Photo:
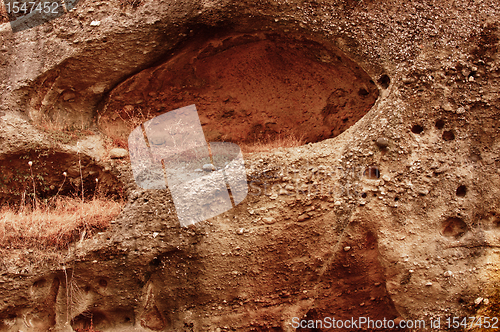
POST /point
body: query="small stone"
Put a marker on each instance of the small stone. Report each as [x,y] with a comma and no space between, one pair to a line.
[423,192]
[208,167]
[428,284]
[382,142]
[95,23]
[241,231]
[447,107]
[448,274]
[478,301]
[69,95]
[347,248]
[118,153]
[486,301]
[269,220]
[303,217]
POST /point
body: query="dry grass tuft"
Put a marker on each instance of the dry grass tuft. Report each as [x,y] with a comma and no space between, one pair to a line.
[56,223]
[133,3]
[269,144]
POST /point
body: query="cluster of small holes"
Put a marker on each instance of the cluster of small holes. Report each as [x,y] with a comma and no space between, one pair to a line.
[448,135]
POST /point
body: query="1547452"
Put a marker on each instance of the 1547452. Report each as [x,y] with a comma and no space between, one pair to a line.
[473,322]
[32,6]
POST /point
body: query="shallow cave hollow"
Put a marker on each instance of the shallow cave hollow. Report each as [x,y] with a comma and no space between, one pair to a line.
[247,88]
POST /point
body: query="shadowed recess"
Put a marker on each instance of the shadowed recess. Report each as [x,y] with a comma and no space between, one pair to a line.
[248,88]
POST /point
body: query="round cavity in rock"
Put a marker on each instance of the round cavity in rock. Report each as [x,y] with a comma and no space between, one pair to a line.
[103,283]
[384,81]
[249,88]
[448,135]
[372,172]
[461,191]
[454,227]
[439,124]
[363,195]
[417,129]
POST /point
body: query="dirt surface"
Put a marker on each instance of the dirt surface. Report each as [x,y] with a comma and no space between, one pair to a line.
[395,217]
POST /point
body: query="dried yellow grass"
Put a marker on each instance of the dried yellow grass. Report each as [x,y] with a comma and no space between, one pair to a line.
[56,223]
[269,144]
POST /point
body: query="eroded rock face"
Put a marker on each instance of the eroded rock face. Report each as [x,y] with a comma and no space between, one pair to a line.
[346,227]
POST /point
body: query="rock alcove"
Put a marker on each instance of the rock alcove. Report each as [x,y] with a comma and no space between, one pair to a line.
[248,88]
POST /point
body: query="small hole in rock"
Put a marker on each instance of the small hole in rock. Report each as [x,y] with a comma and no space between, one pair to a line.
[372,172]
[448,135]
[461,191]
[417,129]
[103,283]
[384,81]
[88,320]
[87,289]
[155,262]
[454,227]
[439,124]
[363,195]
[396,199]
[363,92]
